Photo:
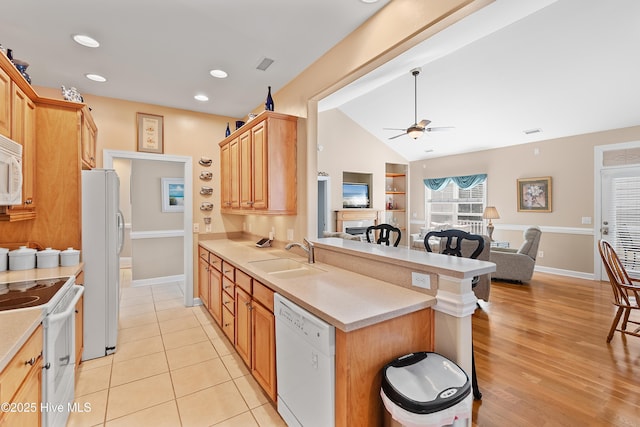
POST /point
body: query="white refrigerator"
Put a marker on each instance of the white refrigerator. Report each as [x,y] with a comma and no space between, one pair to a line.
[102,238]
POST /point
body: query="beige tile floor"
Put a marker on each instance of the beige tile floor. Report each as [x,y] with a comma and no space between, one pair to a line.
[173,367]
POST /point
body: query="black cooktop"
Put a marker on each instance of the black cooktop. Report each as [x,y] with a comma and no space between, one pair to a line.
[29,293]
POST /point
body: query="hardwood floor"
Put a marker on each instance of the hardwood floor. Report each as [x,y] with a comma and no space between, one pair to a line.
[542,358]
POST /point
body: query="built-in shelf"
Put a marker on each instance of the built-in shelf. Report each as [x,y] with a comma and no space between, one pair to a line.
[396,198]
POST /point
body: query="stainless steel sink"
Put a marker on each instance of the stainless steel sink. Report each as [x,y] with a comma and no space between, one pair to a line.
[286,268]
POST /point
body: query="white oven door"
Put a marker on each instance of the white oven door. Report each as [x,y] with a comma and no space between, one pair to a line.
[59,359]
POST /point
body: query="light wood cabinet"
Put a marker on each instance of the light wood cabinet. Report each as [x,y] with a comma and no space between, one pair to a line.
[263,351]
[17,121]
[79,319]
[255,334]
[258,166]
[203,281]
[79,330]
[246,318]
[5,104]
[215,293]
[21,382]
[88,140]
[243,325]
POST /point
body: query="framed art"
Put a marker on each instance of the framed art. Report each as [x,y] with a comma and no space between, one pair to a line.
[534,194]
[150,133]
[172,194]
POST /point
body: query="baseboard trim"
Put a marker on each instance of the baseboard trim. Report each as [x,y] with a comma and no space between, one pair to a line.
[562,272]
[179,278]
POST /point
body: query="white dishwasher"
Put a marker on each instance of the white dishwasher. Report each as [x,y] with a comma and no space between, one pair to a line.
[305,361]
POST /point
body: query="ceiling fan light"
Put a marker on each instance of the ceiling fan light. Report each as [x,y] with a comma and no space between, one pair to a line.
[414,133]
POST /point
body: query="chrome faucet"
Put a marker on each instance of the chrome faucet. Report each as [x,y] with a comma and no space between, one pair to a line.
[308,248]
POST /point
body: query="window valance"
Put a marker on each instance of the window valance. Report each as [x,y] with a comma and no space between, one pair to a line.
[466,181]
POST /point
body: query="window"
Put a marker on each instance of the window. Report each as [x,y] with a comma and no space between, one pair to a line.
[455,205]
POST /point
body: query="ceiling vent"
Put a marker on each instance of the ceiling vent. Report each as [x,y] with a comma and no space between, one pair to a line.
[532,131]
[264,63]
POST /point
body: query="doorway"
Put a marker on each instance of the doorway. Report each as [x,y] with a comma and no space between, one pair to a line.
[618,204]
[187,236]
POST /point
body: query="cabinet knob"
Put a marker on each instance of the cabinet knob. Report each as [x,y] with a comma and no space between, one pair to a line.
[28,201]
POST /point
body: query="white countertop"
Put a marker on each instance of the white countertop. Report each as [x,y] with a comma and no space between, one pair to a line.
[462,268]
[347,300]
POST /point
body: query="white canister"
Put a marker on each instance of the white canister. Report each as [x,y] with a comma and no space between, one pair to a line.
[47,258]
[69,257]
[4,258]
[23,258]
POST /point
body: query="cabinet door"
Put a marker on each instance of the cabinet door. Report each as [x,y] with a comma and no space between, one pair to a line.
[260,172]
[228,325]
[246,172]
[203,281]
[225,177]
[79,330]
[263,355]
[88,142]
[5,104]
[215,294]
[234,172]
[30,394]
[243,325]
[23,132]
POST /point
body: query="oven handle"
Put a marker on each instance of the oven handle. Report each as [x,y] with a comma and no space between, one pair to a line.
[70,309]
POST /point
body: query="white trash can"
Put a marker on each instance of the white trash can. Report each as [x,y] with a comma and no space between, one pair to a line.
[425,389]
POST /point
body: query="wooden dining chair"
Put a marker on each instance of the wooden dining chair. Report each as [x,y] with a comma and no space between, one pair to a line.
[626,291]
[452,242]
[385,234]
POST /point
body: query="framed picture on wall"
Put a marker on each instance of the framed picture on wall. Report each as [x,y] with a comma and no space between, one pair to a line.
[172,194]
[150,133]
[534,194]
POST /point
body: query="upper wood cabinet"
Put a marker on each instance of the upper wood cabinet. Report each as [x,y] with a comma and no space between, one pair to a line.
[5,104]
[88,140]
[22,113]
[258,166]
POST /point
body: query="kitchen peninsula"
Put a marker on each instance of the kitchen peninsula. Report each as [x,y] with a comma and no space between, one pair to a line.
[366,292]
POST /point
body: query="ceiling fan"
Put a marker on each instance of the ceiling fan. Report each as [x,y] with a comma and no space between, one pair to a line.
[416,130]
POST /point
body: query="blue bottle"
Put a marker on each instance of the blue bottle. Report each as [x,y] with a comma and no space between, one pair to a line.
[269,104]
[228,131]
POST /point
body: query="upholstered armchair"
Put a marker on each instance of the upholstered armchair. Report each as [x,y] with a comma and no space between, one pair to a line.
[517,264]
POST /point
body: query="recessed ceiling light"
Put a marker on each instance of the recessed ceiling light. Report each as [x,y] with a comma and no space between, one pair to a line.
[85,40]
[96,78]
[201,97]
[369,1]
[218,73]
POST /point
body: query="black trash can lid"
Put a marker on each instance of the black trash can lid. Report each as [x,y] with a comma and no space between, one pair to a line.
[424,382]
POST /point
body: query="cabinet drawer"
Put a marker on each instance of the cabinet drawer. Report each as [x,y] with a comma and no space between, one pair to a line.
[203,253]
[244,281]
[227,286]
[215,262]
[17,370]
[228,302]
[263,295]
[228,324]
[228,270]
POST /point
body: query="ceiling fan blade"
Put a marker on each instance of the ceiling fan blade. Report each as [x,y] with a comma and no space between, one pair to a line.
[394,129]
[398,136]
[423,123]
[440,129]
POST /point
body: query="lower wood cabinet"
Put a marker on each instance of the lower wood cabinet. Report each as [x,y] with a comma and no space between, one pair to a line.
[203,281]
[79,330]
[246,317]
[21,383]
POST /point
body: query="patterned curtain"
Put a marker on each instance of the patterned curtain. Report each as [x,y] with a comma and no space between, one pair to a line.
[466,182]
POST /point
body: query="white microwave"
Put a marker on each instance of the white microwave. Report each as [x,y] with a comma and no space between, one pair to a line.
[10,172]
